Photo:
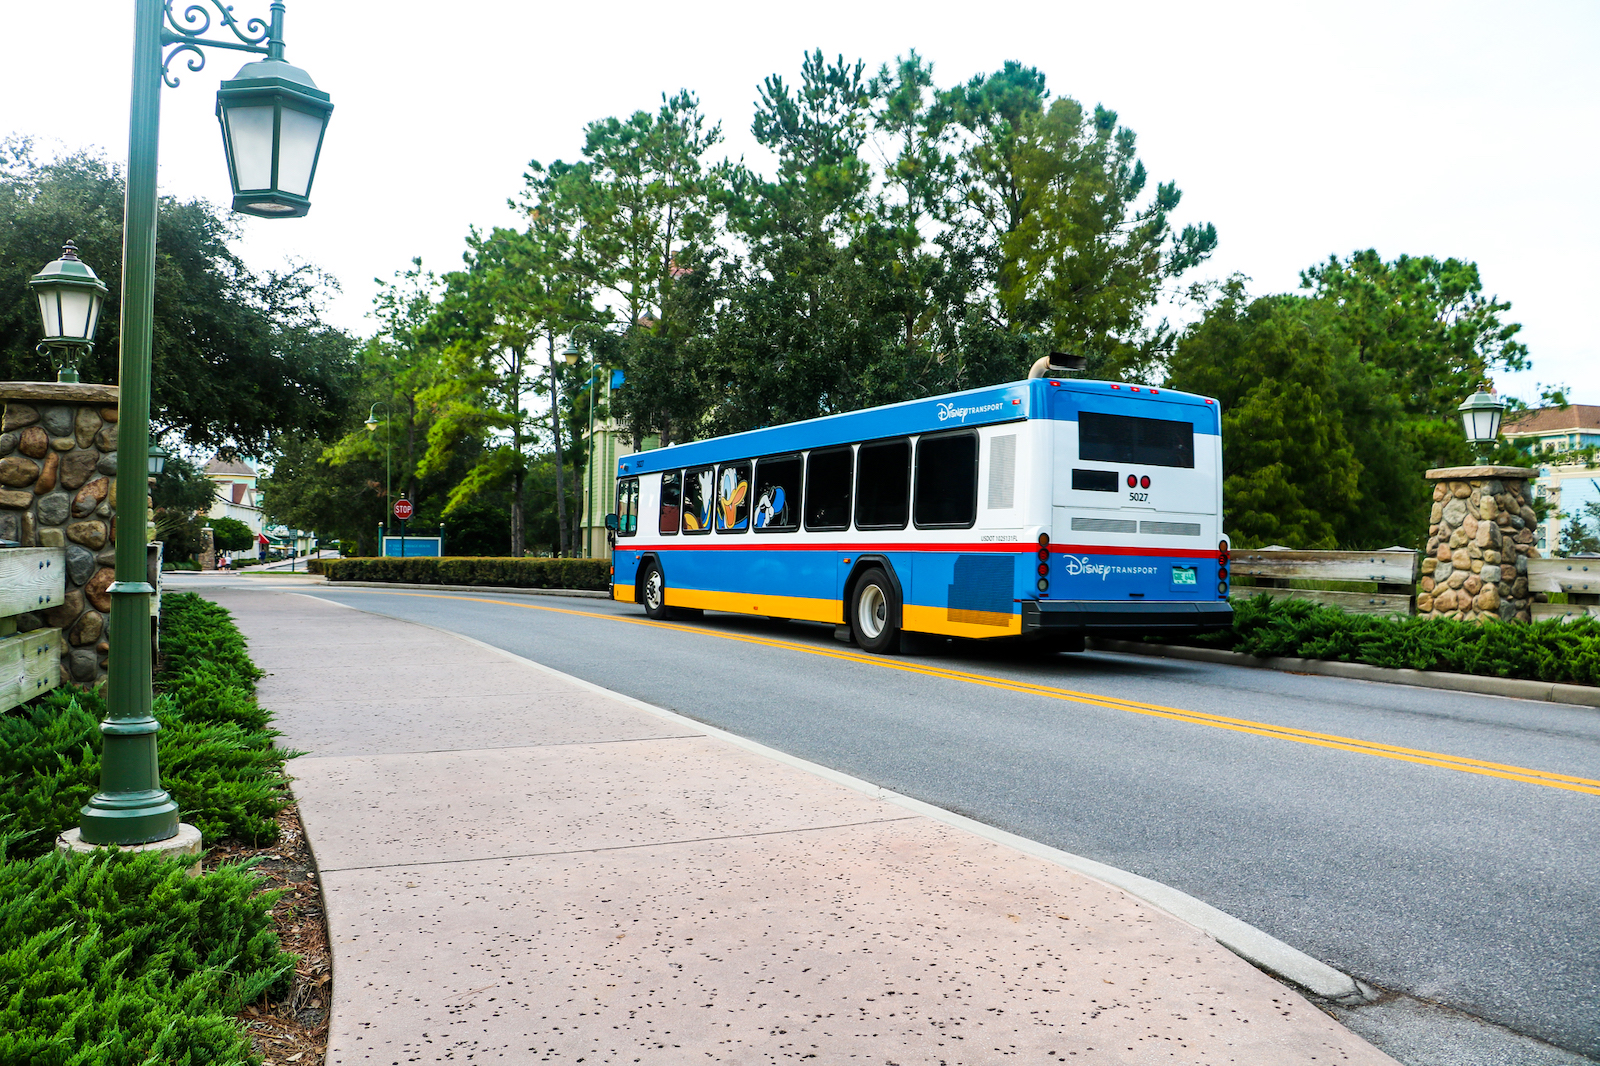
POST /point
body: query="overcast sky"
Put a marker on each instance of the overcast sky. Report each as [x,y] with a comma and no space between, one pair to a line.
[1301,130]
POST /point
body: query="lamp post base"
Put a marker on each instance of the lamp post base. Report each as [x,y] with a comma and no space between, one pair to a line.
[187,842]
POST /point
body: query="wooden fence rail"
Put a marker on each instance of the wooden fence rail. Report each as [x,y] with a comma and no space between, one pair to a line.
[1578,578]
[1395,570]
[31,580]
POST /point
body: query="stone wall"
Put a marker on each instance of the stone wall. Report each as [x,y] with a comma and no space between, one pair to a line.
[58,476]
[1480,538]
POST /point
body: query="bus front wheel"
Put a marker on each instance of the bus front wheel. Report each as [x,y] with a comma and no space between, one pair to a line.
[872,611]
[653,593]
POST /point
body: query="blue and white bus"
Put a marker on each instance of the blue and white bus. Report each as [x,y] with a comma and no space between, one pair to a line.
[1046,509]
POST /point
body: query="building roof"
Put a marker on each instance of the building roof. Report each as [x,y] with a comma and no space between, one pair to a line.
[1554,420]
[229,466]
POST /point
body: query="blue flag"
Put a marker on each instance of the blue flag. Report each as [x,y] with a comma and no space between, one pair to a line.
[617,378]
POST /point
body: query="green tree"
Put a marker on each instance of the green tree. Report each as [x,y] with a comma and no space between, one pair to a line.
[232,535]
[1581,534]
[238,355]
[1382,353]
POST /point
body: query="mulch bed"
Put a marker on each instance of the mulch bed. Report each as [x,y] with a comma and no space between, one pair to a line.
[293,1029]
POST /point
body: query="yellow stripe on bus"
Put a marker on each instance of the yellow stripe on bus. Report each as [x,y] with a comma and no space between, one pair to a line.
[800,608]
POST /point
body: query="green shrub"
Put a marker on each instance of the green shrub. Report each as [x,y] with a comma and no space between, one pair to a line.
[121,959]
[473,570]
[1541,651]
[216,746]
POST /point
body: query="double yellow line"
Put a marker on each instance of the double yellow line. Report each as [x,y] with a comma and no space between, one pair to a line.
[1215,721]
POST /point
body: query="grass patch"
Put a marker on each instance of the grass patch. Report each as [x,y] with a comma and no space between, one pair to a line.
[120,959]
[216,744]
[1540,651]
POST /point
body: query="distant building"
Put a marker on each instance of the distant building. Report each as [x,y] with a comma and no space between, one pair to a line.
[1549,435]
[236,496]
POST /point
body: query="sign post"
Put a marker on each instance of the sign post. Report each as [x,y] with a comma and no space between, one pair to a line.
[403,511]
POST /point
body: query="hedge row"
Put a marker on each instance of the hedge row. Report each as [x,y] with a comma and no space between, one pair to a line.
[1541,651]
[216,745]
[470,570]
[118,959]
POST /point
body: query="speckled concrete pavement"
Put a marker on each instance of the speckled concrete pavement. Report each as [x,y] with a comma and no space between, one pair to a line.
[520,869]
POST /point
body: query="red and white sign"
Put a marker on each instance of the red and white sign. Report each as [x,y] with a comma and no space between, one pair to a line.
[403,509]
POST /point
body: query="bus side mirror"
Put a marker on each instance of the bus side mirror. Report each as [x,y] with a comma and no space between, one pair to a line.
[612,523]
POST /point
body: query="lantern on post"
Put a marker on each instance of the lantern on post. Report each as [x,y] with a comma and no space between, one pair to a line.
[1480,417]
[70,296]
[273,117]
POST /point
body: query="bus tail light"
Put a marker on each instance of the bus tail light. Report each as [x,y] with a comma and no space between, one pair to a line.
[1044,586]
[1044,569]
[1222,588]
[1132,481]
[1044,555]
[1044,540]
[1144,482]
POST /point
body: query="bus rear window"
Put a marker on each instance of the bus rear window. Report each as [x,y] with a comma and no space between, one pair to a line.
[883,484]
[1129,439]
[828,489]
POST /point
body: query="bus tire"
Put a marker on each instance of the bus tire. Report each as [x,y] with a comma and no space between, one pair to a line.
[872,612]
[653,593]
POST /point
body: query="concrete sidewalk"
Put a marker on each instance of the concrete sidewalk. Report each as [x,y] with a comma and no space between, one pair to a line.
[518,867]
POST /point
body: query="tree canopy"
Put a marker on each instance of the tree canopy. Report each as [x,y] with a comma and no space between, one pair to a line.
[238,356]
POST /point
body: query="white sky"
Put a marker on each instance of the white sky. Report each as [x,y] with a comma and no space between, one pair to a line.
[1300,130]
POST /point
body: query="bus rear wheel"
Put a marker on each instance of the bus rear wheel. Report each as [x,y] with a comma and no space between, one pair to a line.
[653,593]
[872,611]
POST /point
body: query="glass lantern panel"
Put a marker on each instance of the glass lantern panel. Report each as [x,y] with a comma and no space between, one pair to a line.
[96,301]
[250,139]
[77,309]
[298,138]
[48,314]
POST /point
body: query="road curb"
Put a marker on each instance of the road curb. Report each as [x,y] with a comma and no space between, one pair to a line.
[1241,938]
[1516,688]
[498,590]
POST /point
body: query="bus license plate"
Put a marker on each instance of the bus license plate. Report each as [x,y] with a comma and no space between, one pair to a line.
[1186,575]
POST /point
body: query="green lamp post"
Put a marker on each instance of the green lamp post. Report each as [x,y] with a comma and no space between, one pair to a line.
[266,114]
[69,295]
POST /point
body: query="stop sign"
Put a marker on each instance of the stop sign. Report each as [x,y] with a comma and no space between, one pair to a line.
[403,509]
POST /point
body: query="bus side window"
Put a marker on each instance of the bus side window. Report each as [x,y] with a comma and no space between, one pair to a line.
[883,484]
[627,507]
[733,497]
[671,498]
[828,489]
[947,480]
[777,494]
[699,493]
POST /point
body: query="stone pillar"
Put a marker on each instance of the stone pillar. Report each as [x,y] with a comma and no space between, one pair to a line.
[58,472]
[1480,538]
[208,549]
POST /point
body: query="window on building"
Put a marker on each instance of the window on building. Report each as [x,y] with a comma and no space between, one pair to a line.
[947,481]
[883,484]
[777,496]
[828,488]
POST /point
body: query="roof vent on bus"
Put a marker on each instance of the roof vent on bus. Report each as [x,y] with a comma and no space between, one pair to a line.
[1058,365]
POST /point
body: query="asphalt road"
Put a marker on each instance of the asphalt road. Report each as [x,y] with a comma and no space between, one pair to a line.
[1470,889]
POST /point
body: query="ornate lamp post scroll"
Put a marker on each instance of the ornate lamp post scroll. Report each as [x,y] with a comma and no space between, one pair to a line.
[131,807]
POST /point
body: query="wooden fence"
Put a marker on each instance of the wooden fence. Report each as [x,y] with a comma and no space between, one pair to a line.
[31,580]
[1578,578]
[1395,570]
